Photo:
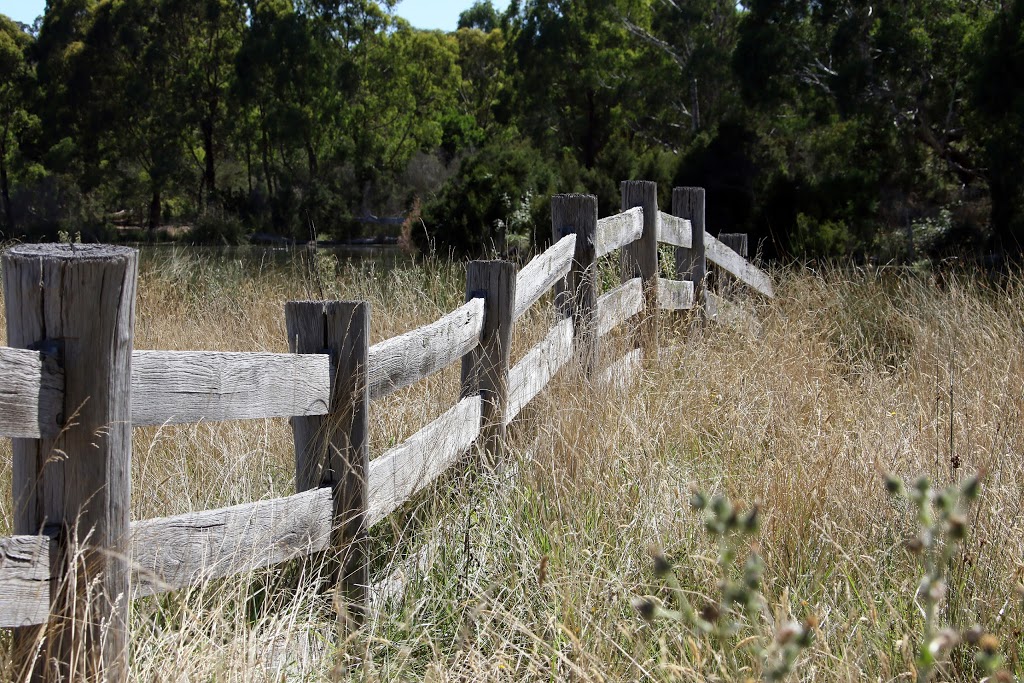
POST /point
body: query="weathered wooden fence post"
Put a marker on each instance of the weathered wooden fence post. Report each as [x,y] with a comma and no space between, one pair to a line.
[691,264]
[640,259]
[577,213]
[485,369]
[737,241]
[78,301]
[333,450]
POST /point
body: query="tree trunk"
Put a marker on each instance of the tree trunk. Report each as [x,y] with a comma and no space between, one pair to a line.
[210,173]
[154,211]
[5,195]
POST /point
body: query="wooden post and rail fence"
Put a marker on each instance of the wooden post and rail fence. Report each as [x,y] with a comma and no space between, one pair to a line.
[72,387]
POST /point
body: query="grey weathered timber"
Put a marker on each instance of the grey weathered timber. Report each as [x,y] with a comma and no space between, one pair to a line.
[533,372]
[732,262]
[675,295]
[403,360]
[24,580]
[541,274]
[485,369]
[674,230]
[169,553]
[80,301]
[620,230]
[688,203]
[640,259]
[577,297]
[31,394]
[620,373]
[399,473]
[737,241]
[619,305]
[333,451]
[173,387]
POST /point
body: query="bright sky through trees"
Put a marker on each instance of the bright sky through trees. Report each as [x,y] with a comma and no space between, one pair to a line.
[427,14]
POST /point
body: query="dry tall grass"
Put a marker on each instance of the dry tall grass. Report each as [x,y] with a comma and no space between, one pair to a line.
[850,375]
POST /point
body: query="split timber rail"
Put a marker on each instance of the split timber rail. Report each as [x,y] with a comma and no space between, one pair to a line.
[71,384]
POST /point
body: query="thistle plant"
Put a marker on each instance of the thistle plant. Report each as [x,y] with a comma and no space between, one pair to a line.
[942,520]
[740,588]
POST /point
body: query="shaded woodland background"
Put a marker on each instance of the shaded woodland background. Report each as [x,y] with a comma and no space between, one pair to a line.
[830,128]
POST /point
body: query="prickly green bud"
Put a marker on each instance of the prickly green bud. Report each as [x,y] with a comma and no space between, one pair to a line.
[662,566]
[895,486]
[750,521]
[721,507]
[971,488]
[957,527]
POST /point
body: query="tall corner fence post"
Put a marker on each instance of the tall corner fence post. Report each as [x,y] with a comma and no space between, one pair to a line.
[485,369]
[577,297]
[691,264]
[333,450]
[79,302]
[640,259]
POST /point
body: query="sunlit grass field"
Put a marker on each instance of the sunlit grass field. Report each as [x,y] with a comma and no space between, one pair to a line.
[531,573]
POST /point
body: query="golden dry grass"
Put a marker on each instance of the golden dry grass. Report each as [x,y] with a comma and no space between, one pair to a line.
[532,575]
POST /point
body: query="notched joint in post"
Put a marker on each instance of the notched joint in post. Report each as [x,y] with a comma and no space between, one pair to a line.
[52,348]
[566,230]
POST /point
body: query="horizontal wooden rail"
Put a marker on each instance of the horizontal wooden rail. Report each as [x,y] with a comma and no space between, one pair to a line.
[675,295]
[24,580]
[541,274]
[175,552]
[621,372]
[31,394]
[175,387]
[405,469]
[619,230]
[531,374]
[619,305]
[403,360]
[674,230]
[746,272]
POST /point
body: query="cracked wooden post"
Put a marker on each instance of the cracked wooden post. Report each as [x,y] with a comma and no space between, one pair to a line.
[691,264]
[640,259]
[333,450]
[485,369]
[577,297]
[78,302]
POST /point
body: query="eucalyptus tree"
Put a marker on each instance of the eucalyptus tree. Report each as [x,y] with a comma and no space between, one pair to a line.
[15,83]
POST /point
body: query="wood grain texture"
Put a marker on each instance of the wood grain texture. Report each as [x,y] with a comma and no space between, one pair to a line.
[485,369]
[674,230]
[691,263]
[82,298]
[24,580]
[619,305]
[619,374]
[640,259]
[400,361]
[577,296]
[169,553]
[31,394]
[737,241]
[675,295]
[742,269]
[533,372]
[175,387]
[541,274]
[619,230]
[399,473]
[332,451]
